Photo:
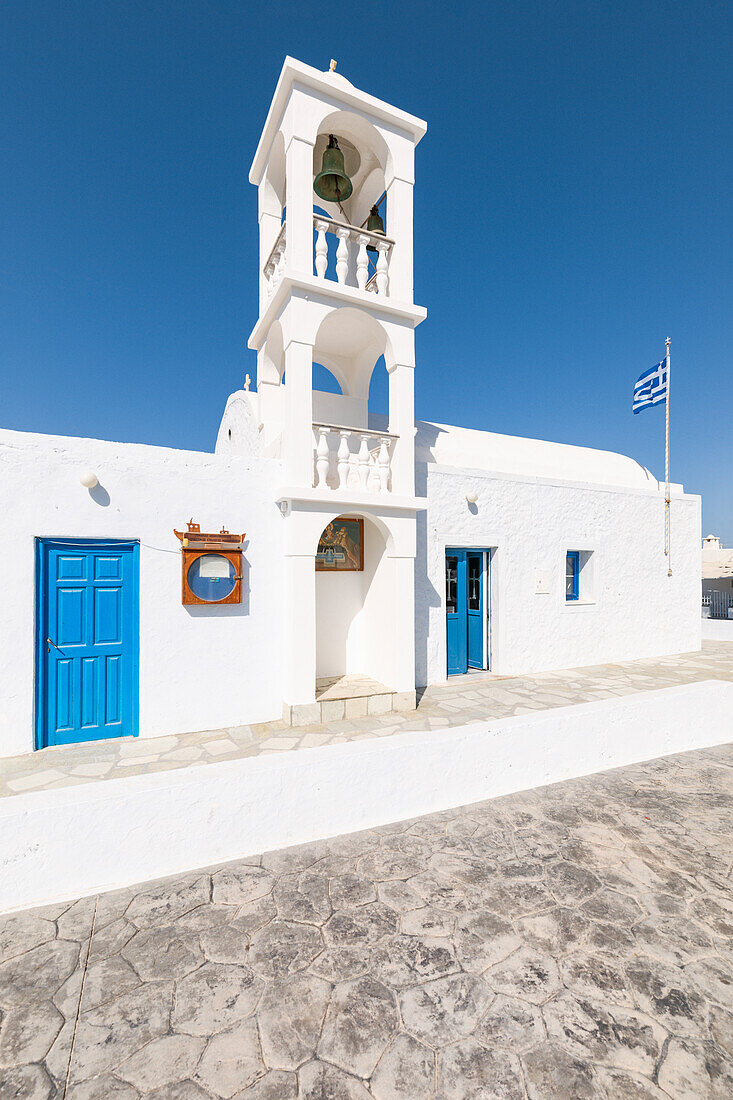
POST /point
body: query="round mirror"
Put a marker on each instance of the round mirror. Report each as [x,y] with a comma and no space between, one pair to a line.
[211,577]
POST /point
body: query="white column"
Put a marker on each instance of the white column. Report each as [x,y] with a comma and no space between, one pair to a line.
[299,672]
[362,263]
[342,255]
[364,462]
[402,624]
[399,228]
[269,229]
[382,270]
[299,201]
[321,249]
[344,457]
[402,425]
[384,465]
[322,458]
[297,445]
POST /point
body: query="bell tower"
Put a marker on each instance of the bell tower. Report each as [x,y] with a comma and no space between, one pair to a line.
[334,169]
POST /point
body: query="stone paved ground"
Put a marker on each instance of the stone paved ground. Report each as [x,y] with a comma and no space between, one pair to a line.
[463,699]
[573,941]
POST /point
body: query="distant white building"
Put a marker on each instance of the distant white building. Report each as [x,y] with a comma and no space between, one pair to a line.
[374,547]
[717,569]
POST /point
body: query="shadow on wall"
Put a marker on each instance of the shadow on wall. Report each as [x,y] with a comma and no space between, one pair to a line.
[226,610]
[100,495]
[426,594]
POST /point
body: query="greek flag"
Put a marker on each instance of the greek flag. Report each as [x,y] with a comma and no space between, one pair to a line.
[650,388]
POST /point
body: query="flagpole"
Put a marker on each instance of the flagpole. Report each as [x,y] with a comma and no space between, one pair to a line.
[666,471]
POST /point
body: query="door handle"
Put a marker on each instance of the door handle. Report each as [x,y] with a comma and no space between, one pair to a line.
[54,646]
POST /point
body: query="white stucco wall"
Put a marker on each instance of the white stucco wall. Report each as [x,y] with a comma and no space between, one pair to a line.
[634,610]
[192,817]
[200,667]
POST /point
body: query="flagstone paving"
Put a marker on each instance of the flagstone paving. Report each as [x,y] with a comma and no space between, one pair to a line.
[464,699]
[568,942]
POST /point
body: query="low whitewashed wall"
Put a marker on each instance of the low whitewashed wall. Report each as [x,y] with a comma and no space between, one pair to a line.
[200,667]
[636,610]
[719,630]
[140,827]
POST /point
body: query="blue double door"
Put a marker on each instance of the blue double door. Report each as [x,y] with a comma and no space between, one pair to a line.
[466,575]
[87,641]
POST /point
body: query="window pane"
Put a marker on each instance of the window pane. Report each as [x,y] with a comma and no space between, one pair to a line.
[451,585]
[571,575]
[474,583]
[211,577]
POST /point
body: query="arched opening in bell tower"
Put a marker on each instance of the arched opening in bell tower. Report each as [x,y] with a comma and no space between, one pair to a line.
[361,166]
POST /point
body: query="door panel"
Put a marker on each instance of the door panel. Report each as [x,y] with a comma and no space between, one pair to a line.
[455,609]
[87,641]
[475,609]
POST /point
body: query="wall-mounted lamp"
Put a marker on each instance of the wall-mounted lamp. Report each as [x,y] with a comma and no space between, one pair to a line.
[471,496]
[89,479]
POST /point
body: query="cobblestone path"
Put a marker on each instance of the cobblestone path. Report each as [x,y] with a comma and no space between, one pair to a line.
[573,941]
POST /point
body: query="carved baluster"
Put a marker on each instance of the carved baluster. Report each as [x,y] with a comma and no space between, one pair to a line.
[321,250]
[364,458]
[383,461]
[362,263]
[382,276]
[344,457]
[373,482]
[352,481]
[342,255]
[322,458]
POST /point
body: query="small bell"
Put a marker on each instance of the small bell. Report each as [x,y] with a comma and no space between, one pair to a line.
[332,184]
[375,225]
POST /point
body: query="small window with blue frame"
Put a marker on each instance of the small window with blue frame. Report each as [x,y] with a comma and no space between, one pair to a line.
[572,575]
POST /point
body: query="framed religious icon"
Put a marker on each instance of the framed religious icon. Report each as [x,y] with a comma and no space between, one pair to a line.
[341,546]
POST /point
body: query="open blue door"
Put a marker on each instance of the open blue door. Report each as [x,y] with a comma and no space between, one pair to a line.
[466,609]
[475,608]
[455,609]
[87,641]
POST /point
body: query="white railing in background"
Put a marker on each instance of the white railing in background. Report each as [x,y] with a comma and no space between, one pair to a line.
[351,270]
[352,458]
[273,269]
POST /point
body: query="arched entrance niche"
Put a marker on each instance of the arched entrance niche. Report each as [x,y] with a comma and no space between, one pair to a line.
[353,607]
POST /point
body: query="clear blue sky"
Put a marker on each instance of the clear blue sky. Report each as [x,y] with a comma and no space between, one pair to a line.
[573,208]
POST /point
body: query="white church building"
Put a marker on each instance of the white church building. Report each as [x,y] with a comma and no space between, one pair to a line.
[324,541]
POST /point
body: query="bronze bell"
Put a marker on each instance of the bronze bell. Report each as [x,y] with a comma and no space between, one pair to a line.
[375,225]
[332,184]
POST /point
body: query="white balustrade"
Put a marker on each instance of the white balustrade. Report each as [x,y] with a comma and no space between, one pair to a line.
[275,265]
[352,265]
[352,458]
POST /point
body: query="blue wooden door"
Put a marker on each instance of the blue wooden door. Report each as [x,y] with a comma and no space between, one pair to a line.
[475,608]
[87,641]
[455,610]
[465,609]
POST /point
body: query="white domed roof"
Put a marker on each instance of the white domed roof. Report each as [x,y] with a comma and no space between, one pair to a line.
[468,448]
[337,78]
